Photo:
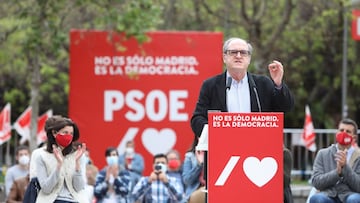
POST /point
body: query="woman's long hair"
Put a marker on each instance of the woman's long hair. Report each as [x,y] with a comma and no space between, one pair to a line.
[193,145]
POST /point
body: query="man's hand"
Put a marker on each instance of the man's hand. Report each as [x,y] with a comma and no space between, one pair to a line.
[163,178]
[276,72]
[153,176]
[340,158]
[113,171]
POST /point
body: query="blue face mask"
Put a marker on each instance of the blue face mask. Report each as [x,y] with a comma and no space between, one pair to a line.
[112,160]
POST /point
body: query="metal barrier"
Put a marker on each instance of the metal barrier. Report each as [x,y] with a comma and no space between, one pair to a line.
[302,157]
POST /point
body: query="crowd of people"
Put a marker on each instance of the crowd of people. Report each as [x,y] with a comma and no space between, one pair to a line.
[66,174]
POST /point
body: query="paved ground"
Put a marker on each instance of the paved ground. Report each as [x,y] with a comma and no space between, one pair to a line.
[300,193]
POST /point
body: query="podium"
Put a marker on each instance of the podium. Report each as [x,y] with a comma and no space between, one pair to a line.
[244,157]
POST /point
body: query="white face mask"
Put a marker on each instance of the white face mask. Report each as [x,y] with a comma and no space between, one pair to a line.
[112,160]
[129,152]
[24,160]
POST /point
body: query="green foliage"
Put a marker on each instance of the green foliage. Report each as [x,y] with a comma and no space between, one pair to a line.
[305,35]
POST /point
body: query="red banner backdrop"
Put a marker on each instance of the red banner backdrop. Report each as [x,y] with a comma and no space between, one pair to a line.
[245,157]
[120,90]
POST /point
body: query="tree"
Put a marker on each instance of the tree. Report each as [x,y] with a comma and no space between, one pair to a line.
[39,29]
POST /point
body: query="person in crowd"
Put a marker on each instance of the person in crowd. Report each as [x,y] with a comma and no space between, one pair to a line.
[158,186]
[132,161]
[193,174]
[336,170]
[174,167]
[287,175]
[113,184]
[89,172]
[34,155]
[237,90]
[58,168]
[20,169]
[17,190]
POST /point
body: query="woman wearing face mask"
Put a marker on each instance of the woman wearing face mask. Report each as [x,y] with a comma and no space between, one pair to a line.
[113,183]
[58,167]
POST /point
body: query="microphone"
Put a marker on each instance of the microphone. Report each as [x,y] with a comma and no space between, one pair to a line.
[228,83]
[256,94]
[228,86]
[257,99]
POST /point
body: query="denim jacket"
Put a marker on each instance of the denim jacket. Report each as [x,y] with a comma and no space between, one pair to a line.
[122,186]
[191,173]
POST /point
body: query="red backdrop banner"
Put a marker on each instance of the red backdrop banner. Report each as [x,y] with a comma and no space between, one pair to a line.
[245,157]
[122,90]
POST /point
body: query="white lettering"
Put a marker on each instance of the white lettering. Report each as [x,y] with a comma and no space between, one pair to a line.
[113,100]
[132,101]
[156,105]
[177,104]
[162,106]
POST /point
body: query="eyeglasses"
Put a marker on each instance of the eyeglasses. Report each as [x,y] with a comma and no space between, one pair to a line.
[235,52]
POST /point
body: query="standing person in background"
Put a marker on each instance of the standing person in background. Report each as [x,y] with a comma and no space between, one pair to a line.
[158,186]
[132,161]
[21,169]
[336,171]
[113,184]
[175,167]
[17,190]
[193,174]
[287,175]
[58,168]
[237,90]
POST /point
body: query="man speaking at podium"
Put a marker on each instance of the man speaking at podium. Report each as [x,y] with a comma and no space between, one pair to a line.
[236,90]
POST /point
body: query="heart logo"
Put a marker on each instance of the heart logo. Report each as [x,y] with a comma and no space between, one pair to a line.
[260,172]
[157,142]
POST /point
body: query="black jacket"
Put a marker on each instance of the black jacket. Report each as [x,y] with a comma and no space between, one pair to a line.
[213,97]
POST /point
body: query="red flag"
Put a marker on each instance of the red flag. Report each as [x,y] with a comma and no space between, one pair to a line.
[308,135]
[22,124]
[5,124]
[41,134]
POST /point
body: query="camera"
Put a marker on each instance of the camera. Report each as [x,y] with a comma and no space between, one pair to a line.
[160,167]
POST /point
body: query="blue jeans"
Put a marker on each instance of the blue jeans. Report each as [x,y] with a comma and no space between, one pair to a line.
[323,198]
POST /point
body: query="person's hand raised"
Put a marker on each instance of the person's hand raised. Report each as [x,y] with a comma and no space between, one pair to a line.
[163,177]
[80,151]
[199,156]
[340,158]
[58,155]
[276,70]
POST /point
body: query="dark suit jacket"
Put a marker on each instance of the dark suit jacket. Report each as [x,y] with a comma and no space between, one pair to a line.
[213,97]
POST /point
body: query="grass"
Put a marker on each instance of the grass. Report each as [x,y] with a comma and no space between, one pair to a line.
[299,182]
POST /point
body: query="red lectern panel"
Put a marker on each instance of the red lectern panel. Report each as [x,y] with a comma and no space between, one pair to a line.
[245,157]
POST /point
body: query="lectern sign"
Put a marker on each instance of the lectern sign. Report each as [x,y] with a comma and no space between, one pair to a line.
[245,157]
